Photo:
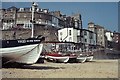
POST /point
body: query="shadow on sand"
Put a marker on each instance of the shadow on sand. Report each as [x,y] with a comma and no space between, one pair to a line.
[38,67]
[90,61]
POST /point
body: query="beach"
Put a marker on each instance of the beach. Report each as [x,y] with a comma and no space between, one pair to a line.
[94,69]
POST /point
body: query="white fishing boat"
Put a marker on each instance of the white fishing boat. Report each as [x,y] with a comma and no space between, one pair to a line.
[63,59]
[27,54]
[89,58]
[57,57]
[81,58]
[25,51]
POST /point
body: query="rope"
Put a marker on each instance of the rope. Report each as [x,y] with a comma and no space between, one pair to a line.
[20,56]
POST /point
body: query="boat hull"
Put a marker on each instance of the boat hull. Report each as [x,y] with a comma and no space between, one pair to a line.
[27,54]
[81,59]
[72,59]
[89,58]
[63,59]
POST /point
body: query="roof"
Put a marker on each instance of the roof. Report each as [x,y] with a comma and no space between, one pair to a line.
[13,7]
[87,30]
[98,26]
[116,33]
[90,23]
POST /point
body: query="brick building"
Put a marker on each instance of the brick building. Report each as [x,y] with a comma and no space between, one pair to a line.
[46,23]
[100,31]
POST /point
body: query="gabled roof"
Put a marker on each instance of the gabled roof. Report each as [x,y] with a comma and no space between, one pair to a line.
[90,23]
[13,7]
[98,26]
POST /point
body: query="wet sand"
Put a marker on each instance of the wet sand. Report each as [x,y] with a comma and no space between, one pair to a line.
[94,69]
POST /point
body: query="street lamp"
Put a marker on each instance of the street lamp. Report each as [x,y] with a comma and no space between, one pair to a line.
[34,5]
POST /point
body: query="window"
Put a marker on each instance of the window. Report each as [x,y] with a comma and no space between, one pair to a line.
[45,11]
[46,21]
[85,33]
[6,15]
[30,26]
[85,40]
[78,33]
[76,24]
[69,32]
[61,38]
[60,33]
[21,9]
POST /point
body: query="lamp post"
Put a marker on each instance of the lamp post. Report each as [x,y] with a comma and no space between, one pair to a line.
[34,5]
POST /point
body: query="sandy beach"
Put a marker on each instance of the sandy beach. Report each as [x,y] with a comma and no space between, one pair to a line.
[94,69]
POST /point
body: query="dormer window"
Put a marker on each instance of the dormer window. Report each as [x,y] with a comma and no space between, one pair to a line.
[21,9]
[37,10]
[41,9]
[45,11]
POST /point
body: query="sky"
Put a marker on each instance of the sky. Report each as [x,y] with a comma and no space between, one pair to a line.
[101,13]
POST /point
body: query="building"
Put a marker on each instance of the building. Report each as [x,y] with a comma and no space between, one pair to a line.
[100,35]
[68,35]
[55,21]
[91,27]
[85,40]
[69,22]
[116,41]
[45,23]
[60,17]
[109,39]
[109,35]
[89,40]
[100,31]
[9,17]
[77,21]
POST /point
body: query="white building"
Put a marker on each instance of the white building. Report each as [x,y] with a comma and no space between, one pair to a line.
[84,39]
[68,35]
[74,35]
[109,35]
[109,39]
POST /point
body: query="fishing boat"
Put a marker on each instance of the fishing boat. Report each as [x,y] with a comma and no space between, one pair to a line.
[89,58]
[81,58]
[72,57]
[57,57]
[24,51]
